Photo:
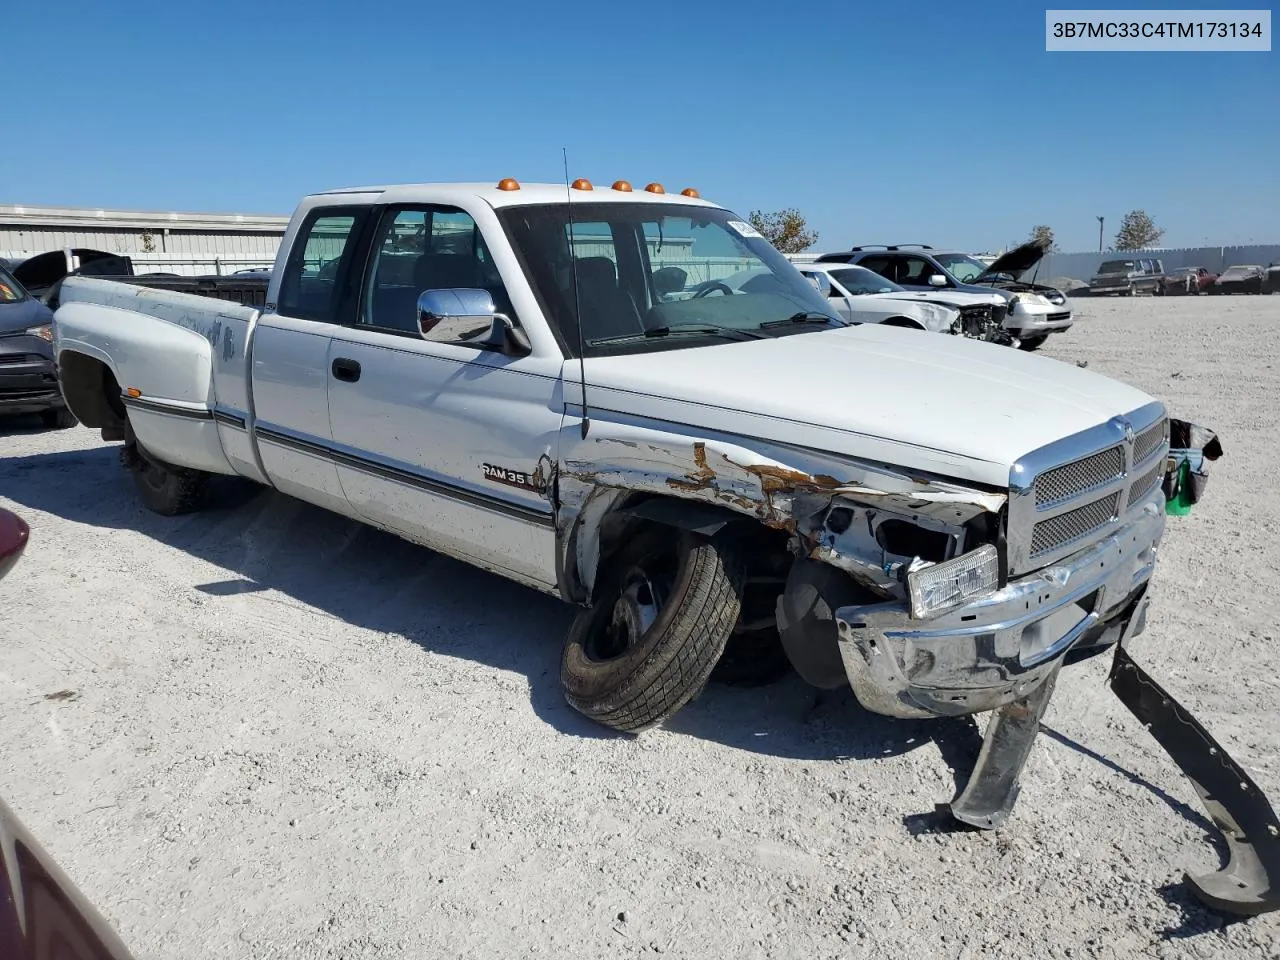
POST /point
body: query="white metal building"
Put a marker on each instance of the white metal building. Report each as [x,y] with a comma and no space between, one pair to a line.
[183,243]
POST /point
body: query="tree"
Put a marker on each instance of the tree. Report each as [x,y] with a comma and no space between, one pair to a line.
[1042,234]
[1137,232]
[785,229]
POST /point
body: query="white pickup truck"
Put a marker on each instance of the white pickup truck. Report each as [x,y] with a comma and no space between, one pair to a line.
[936,521]
[556,384]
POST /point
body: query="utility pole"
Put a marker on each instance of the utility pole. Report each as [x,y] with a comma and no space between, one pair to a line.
[1100,219]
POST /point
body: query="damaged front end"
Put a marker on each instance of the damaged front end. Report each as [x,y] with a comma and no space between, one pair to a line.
[932,598]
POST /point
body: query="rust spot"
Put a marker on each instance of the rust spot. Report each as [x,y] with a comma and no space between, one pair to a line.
[700,478]
[774,479]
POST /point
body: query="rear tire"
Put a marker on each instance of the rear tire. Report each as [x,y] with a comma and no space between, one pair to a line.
[59,419]
[1032,343]
[162,487]
[661,619]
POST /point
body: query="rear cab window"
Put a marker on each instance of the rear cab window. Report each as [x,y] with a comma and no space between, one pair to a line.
[316,280]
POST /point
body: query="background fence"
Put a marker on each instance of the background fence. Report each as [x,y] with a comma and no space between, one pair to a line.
[1082,266]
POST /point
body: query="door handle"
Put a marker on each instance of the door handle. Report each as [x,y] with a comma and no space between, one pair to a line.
[348,370]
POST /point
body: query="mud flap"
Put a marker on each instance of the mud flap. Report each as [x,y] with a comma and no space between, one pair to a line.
[1248,884]
[993,787]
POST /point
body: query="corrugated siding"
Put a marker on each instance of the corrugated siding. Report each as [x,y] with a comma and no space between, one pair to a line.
[26,242]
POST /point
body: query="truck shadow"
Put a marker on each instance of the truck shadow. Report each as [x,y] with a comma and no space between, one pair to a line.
[377,581]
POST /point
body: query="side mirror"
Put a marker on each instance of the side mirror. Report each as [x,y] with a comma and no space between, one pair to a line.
[821,281]
[467,317]
[937,280]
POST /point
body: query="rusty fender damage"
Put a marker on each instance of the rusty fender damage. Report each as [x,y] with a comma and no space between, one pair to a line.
[797,495]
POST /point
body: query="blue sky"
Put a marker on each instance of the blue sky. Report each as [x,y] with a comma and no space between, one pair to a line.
[945,123]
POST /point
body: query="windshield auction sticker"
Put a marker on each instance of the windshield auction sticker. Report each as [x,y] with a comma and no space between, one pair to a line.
[742,229]
[1119,31]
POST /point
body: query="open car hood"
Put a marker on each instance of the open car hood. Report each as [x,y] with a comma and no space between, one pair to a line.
[42,271]
[1017,261]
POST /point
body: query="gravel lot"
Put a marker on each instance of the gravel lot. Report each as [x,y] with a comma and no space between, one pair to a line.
[290,736]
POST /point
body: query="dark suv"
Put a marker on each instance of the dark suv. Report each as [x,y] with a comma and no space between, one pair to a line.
[28,377]
[1034,310]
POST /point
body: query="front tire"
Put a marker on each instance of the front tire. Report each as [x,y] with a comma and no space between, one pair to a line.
[666,607]
[1032,343]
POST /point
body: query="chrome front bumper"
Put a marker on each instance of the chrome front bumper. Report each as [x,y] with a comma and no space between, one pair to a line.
[998,649]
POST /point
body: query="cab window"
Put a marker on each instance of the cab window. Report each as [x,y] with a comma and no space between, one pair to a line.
[425,248]
[312,288]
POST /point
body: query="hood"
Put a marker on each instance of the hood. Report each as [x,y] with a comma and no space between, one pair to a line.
[1017,261]
[945,405]
[25,313]
[42,271]
[954,298]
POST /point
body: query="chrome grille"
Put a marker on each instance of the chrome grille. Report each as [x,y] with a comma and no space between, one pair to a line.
[1073,525]
[1149,441]
[1144,485]
[1078,477]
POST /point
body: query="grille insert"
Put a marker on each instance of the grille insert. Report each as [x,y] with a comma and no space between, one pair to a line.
[1068,527]
[1149,441]
[1144,485]
[1079,477]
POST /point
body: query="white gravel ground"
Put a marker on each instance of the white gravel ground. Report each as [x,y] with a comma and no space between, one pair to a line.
[294,737]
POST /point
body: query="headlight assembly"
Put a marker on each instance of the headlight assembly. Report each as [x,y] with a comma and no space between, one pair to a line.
[944,586]
[44,332]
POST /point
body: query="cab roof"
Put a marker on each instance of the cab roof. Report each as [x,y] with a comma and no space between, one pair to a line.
[526,194]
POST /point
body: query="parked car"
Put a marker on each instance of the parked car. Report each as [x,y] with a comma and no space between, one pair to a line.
[863,296]
[936,318]
[42,914]
[1187,280]
[1272,283]
[28,377]
[1245,278]
[1128,277]
[1033,311]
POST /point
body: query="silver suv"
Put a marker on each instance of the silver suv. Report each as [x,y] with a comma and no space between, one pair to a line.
[1128,278]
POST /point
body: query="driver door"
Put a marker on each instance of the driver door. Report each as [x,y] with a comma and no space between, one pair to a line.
[439,438]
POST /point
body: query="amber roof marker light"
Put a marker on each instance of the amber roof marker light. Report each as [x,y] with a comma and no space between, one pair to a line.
[654,188]
[582,184]
[690,192]
[622,186]
[507,183]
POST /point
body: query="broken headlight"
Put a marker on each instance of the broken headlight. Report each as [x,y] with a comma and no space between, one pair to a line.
[944,586]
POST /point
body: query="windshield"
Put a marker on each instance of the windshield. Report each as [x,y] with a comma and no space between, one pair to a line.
[10,289]
[1116,266]
[963,268]
[646,271]
[860,281]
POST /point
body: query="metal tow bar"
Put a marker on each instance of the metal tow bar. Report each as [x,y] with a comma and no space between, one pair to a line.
[1250,882]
